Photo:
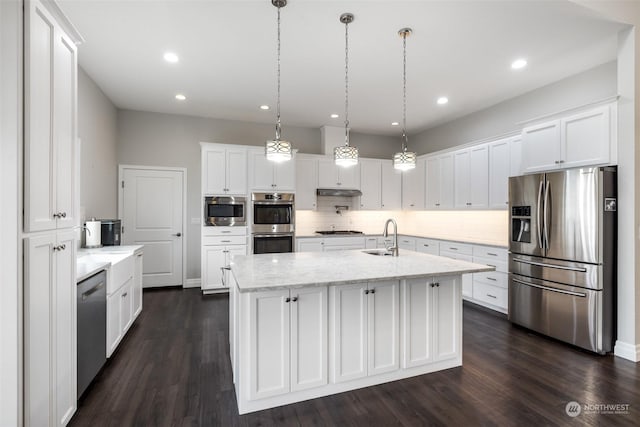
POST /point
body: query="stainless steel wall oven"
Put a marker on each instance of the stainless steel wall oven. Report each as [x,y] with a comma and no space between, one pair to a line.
[273,224]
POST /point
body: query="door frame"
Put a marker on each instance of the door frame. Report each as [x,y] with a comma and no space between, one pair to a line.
[121,169]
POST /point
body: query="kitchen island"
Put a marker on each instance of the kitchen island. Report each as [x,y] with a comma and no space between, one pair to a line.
[306,325]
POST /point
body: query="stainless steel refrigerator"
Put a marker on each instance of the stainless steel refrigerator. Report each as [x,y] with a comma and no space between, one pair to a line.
[562,260]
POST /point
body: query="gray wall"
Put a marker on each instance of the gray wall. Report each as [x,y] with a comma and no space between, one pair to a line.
[97,127]
[591,85]
[155,139]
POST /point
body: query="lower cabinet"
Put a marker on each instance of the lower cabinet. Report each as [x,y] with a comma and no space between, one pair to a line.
[365,329]
[287,341]
[309,245]
[431,317]
[214,259]
[137,284]
[50,340]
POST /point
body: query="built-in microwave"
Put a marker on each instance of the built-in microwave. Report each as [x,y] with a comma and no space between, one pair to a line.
[225,211]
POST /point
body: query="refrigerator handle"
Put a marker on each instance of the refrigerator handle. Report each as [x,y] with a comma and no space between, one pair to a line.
[539,223]
[545,215]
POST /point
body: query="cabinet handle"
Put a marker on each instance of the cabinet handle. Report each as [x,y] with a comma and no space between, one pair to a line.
[468,204]
[372,291]
[437,204]
[56,215]
[557,162]
[125,294]
[287,299]
[432,284]
[339,183]
[454,249]
[225,231]
[437,284]
[492,296]
[492,254]
[177,234]
[425,245]
[225,241]
[295,299]
[491,265]
[561,161]
[366,291]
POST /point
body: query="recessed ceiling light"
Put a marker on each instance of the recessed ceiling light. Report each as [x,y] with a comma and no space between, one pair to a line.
[442,100]
[171,57]
[264,107]
[180,97]
[519,63]
[395,124]
[334,116]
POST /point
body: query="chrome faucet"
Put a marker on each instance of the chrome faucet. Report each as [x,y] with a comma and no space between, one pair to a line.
[393,249]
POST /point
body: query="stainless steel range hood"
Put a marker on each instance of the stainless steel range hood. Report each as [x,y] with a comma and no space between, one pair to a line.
[338,192]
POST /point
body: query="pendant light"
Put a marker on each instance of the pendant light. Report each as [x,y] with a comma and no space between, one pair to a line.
[404,160]
[278,150]
[346,155]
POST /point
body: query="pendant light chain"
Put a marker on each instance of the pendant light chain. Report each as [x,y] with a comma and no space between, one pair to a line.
[346,84]
[278,99]
[404,92]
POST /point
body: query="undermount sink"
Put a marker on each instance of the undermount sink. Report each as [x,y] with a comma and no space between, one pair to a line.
[379,252]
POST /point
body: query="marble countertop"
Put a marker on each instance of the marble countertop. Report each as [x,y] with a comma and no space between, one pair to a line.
[93,260]
[301,269]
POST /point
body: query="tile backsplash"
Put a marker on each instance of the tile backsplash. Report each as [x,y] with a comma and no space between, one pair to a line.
[488,227]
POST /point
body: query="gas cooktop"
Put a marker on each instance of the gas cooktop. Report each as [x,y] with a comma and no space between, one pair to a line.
[323,232]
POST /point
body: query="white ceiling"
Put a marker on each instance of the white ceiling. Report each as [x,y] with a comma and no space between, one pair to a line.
[459,49]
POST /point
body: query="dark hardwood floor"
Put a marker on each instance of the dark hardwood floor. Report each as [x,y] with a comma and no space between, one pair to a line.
[173,369]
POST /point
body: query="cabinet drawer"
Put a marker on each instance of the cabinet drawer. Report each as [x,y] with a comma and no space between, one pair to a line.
[224,231]
[344,241]
[500,266]
[456,255]
[408,243]
[428,246]
[490,294]
[493,278]
[489,252]
[224,240]
[460,248]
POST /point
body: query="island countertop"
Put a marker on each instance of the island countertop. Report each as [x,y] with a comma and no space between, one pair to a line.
[301,269]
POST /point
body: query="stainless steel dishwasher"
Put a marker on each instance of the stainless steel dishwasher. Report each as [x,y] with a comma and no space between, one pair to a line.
[92,328]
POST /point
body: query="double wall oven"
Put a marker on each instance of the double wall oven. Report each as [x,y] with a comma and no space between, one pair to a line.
[273,227]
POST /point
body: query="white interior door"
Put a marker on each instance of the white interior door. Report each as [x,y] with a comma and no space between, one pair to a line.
[152,215]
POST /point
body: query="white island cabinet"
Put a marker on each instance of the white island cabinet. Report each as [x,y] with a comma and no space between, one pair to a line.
[307,325]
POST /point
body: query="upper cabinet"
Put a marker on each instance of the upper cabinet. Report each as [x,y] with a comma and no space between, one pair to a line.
[371,184]
[440,182]
[471,172]
[515,156]
[268,175]
[50,122]
[224,170]
[306,182]
[332,176]
[583,139]
[391,194]
[499,171]
[413,182]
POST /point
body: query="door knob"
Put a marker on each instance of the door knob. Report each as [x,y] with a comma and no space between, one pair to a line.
[178,234]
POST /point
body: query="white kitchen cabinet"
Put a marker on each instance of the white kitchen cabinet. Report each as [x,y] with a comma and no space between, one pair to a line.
[407,243]
[50,136]
[365,329]
[499,170]
[490,289]
[371,184]
[287,341]
[224,170]
[137,283]
[306,182]
[462,252]
[391,197]
[582,139]
[309,245]
[471,183]
[515,156]
[50,339]
[427,246]
[413,182]
[331,175]
[370,242]
[267,175]
[114,328]
[342,243]
[440,182]
[219,245]
[126,305]
[431,311]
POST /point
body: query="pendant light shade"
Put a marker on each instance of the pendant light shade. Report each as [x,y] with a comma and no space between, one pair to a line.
[404,160]
[277,149]
[346,155]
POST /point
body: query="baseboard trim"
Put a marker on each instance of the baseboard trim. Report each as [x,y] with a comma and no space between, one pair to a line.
[192,283]
[627,351]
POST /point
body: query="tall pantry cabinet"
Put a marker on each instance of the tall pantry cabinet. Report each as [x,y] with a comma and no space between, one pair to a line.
[50,215]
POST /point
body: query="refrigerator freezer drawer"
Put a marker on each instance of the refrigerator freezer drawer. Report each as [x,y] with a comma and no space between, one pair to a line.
[567,272]
[567,313]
